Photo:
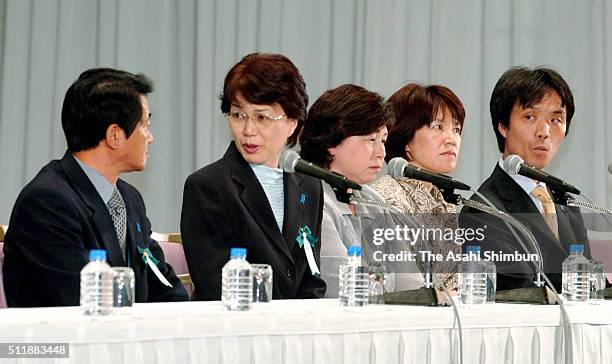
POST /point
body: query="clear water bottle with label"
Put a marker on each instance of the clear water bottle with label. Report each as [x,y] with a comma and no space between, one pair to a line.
[491,272]
[575,279]
[472,278]
[97,285]
[237,282]
[353,280]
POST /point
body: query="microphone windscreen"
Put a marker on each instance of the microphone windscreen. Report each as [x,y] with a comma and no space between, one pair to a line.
[288,160]
[512,164]
[396,167]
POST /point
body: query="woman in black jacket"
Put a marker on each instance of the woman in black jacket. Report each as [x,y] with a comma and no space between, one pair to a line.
[244,199]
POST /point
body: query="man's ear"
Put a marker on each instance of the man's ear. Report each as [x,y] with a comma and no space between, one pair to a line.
[502,129]
[114,136]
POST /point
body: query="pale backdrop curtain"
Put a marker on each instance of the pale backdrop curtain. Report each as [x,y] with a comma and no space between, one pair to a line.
[187,46]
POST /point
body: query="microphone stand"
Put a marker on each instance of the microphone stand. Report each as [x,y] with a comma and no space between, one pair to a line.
[560,197]
[607,292]
[576,203]
[565,322]
[541,293]
[343,194]
[425,295]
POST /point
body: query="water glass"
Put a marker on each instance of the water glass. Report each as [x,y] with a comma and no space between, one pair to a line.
[124,292]
[377,276]
[262,282]
[597,279]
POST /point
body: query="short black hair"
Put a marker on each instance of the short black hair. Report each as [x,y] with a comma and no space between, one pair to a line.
[339,113]
[526,87]
[99,98]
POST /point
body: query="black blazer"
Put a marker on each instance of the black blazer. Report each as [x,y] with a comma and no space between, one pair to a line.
[509,197]
[57,218]
[224,206]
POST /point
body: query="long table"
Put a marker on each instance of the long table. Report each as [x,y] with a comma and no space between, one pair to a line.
[314,331]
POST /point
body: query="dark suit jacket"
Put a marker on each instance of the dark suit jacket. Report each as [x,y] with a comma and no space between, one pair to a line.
[224,206]
[58,217]
[509,197]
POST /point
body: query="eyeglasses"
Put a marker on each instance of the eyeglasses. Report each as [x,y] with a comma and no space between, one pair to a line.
[262,120]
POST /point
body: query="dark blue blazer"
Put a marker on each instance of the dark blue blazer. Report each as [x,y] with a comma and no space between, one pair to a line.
[501,190]
[224,206]
[58,217]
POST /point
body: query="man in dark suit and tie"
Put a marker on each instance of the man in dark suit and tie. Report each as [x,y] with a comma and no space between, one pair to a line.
[531,112]
[78,203]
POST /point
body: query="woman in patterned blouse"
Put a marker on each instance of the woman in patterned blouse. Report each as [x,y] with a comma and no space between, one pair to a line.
[427,133]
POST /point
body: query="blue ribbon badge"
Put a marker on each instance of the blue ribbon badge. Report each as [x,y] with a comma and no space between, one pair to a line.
[146,254]
[305,231]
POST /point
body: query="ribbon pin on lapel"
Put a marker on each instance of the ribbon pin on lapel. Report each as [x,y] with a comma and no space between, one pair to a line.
[306,240]
[150,260]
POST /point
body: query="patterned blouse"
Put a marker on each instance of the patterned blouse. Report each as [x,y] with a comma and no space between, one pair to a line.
[425,208]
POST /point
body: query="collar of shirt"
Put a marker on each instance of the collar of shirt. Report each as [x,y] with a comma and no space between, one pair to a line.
[105,189]
[271,180]
[267,173]
[527,184]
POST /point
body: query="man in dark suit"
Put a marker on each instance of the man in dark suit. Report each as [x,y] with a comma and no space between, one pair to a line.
[78,203]
[531,112]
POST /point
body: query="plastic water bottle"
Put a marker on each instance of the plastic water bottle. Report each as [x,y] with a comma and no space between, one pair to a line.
[353,280]
[237,282]
[491,272]
[97,285]
[576,276]
[472,278]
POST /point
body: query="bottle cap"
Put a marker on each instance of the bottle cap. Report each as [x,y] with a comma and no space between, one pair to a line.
[97,254]
[238,253]
[472,249]
[577,248]
[354,250]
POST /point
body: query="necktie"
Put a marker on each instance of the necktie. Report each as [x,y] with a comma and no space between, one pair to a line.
[550,214]
[116,207]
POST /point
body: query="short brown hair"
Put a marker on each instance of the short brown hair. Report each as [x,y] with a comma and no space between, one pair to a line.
[337,114]
[268,78]
[415,106]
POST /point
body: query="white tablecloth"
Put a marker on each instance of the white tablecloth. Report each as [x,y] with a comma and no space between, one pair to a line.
[314,331]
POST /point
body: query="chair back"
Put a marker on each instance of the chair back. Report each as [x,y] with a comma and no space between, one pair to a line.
[2,297]
[602,250]
[3,229]
[172,245]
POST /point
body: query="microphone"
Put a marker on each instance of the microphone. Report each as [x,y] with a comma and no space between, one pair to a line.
[516,165]
[399,167]
[291,162]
